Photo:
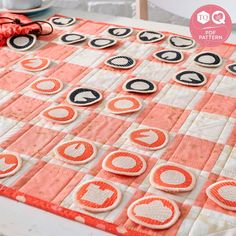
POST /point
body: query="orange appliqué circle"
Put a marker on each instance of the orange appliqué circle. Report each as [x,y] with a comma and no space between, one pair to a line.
[97,196]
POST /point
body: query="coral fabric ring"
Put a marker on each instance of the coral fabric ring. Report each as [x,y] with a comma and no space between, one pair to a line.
[9,164]
[47,86]
[123,105]
[97,196]
[148,138]
[124,163]
[172,178]
[35,64]
[60,114]
[154,212]
[223,193]
[76,152]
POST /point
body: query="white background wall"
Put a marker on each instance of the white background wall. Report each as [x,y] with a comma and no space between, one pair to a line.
[121,8]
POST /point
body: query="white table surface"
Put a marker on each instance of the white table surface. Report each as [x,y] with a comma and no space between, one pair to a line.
[17,219]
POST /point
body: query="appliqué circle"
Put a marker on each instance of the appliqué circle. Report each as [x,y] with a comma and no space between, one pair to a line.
[208,59]
[98,196]
[47,86]
[169,56]
[223,193]
[124,163]
[83,96]
[123,105]
[172,178]
[35,64]
[76,152]
[190,78]
[101,43]
[70,38]
[139,86]
[9,164]
[231,68]
[21,42]
[181,42]
[148,36]
[154,212]
[60,114]
[149,138]
[120,32]
[63,21]
[121,62]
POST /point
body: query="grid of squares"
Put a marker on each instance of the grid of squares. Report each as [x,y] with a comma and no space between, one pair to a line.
[201,123]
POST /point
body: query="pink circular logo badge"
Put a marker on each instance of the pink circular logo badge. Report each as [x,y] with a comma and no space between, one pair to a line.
[210,25]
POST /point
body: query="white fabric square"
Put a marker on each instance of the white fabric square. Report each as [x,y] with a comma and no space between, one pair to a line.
[9,127]
[224,85]
[102,79]
[207,126]
[155,71]
[5,96]
[136,50]
[210,221]
[181,97]
[233,56]
[230,165]
[220,163]
[87,57]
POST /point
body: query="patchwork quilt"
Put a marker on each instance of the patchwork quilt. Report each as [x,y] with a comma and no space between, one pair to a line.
[195,125]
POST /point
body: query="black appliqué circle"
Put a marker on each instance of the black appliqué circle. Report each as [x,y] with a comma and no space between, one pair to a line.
[139,86]
[171,56]
[101,43]
[148,36]
[25,42]
[181,42]
[208,59]
[191,78]
[120,32]
[122,62]
[231,68]
[83,96]
[72,38]
[63,21]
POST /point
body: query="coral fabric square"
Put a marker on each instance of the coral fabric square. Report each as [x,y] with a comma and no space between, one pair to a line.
[8,56]
[55,51]
[102,128]
[41,141]
[193,152]
[162,116]
[48,181]
[66,72]
[218,104]
[89,28]
[13,79]
[22,108]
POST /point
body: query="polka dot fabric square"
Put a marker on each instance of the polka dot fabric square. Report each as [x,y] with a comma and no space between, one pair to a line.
[199,125]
